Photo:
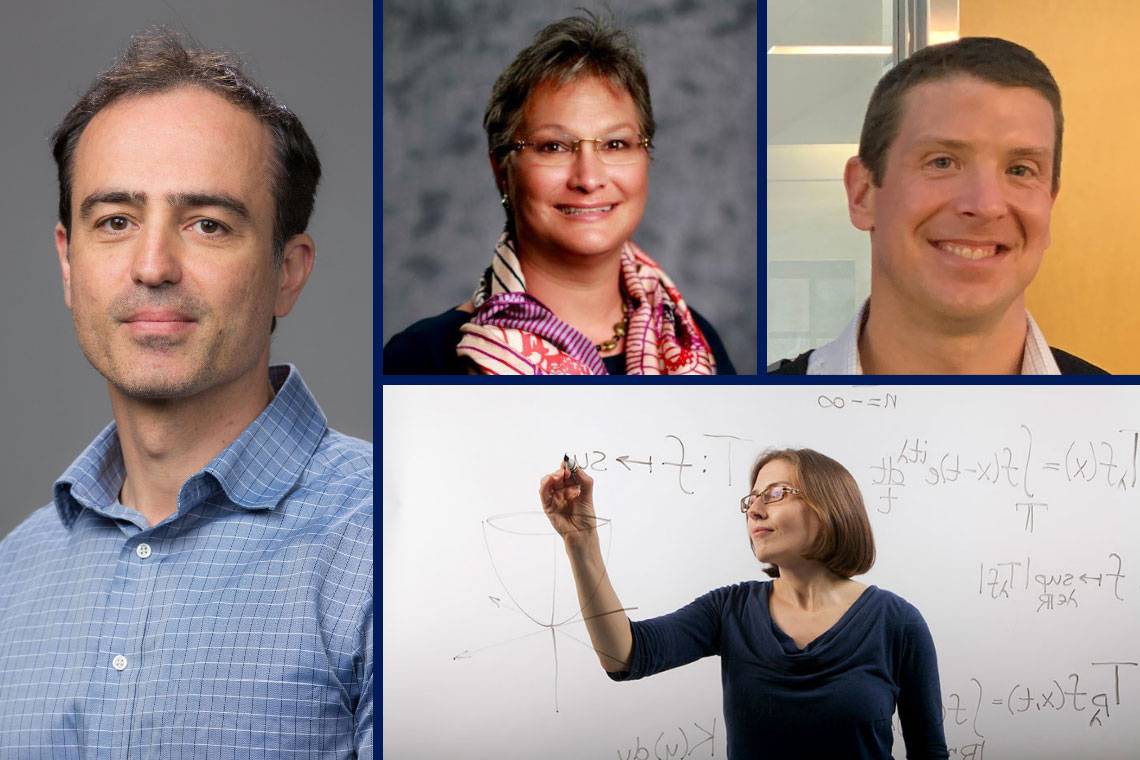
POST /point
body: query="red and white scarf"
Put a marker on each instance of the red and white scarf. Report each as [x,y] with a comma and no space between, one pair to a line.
[512,333]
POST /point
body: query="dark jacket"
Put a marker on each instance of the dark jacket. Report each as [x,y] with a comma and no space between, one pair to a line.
[1066,362]
[428,348]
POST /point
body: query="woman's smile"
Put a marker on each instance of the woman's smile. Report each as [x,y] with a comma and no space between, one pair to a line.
[586,213]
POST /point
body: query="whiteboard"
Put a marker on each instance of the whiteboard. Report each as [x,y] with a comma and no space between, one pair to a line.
[1008,515]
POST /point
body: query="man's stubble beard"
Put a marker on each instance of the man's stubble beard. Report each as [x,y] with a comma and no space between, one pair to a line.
[203,375]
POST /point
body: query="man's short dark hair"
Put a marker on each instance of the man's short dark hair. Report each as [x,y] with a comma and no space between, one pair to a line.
[158,60]
[990,59]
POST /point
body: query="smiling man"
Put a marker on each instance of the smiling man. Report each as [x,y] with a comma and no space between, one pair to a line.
[958,168]
[201,585]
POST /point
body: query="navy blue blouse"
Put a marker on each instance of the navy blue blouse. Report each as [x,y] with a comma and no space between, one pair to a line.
[834,698]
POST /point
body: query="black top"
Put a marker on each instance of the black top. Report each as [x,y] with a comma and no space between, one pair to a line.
[832,699]
[1066,362]
[428,348]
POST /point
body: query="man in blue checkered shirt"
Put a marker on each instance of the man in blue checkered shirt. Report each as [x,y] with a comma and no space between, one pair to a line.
[201,585]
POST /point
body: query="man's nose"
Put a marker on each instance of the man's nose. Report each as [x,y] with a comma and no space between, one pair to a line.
[157,261]
[982,194]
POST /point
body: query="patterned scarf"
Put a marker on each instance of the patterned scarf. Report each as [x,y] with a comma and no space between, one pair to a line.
[512,333]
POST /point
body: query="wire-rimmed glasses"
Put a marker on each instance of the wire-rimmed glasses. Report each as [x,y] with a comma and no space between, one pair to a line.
[560,150]
[769,495]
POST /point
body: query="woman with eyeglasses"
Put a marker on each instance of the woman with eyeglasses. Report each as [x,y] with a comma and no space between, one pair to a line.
[567,292]
[813,663]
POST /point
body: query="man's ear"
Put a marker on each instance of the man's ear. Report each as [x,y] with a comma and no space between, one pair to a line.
[64,262]
[860,194]
[296,265]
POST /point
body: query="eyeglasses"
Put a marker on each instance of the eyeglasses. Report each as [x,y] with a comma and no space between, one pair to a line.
[769,495]
[560,151]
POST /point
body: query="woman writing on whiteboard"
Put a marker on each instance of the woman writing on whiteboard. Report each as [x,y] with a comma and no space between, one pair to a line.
[813,663]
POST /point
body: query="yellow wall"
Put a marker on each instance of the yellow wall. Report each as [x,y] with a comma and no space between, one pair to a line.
[1087,295]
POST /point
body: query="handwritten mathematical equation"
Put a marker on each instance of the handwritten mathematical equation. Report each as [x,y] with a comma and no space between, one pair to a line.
[1054,587]
[703,460]
[974,706]
[872,400]
[681,743]
[967,750]
[1019,468]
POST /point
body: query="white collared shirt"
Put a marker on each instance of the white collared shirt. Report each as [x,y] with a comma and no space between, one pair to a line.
[841,356]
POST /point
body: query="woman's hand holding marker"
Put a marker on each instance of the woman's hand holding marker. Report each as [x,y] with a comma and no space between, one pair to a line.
[567,497]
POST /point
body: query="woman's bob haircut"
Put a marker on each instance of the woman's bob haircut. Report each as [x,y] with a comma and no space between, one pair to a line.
[845,544]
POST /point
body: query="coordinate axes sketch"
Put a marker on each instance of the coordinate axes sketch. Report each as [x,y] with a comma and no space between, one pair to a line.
[514,533]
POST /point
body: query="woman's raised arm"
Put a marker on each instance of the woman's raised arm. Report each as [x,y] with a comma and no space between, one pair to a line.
[568,501]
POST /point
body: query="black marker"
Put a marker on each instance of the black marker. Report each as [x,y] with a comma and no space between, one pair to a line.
[572,466]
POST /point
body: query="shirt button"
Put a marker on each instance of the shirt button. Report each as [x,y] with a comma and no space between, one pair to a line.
[119,663]
[143,551]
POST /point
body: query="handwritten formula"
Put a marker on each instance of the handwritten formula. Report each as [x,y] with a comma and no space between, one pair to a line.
[1051,585]
[1092,698]
[678,743]
[1019,470]
[689,463]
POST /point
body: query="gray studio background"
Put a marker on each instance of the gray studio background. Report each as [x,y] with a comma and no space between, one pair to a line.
[317,57]
[441,211]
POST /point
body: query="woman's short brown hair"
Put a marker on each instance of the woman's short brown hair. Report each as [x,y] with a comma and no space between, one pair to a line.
[565,51]
[845,544]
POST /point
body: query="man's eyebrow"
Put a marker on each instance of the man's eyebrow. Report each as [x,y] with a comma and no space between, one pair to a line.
[110,196]
[1038,154]
[941,142]
[220,200]
[177,200]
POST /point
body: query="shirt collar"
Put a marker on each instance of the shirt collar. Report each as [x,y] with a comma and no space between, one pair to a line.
[841,356]
[255,471]
[1037,358]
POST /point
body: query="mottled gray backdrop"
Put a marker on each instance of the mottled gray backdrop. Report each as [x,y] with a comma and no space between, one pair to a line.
[441,212]
[317,57]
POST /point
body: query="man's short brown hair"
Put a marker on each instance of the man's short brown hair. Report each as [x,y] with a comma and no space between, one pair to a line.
[990,59]
[158,60]
[845,544]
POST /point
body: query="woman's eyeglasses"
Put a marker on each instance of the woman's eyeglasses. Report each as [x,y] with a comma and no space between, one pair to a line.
[560,151]
[769,495]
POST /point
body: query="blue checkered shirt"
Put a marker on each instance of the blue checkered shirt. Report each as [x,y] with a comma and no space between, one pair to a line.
[239,627]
